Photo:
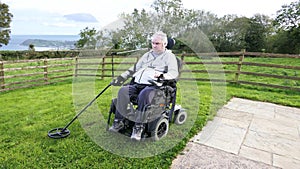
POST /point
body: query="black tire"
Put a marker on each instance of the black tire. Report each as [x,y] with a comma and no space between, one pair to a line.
[161,129]
[180,118]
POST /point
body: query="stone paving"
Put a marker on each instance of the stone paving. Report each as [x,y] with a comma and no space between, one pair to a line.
[246,134]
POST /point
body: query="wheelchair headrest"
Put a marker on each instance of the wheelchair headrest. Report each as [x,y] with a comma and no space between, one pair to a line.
[171,43]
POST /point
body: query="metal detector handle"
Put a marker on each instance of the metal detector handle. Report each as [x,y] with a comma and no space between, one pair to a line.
[88,105]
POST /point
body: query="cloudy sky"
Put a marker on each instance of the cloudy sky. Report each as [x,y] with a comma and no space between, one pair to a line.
[68,17]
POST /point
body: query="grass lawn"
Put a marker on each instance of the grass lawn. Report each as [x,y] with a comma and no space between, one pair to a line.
[28,114]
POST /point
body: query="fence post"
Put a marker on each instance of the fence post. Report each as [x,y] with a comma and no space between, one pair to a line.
[112,67]
[45,70]
[239,66]
[2,82]
[76,66]
[182,56]
[103,66]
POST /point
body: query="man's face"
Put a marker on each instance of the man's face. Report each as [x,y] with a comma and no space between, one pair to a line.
[157,45]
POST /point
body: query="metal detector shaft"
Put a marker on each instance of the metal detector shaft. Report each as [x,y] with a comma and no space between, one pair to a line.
[88,105]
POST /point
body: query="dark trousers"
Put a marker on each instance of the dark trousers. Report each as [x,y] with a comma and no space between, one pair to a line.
[140,94]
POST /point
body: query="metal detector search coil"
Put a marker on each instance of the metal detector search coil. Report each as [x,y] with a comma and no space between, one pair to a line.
[59,133]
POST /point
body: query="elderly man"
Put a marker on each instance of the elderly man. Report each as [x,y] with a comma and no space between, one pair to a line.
[157,63]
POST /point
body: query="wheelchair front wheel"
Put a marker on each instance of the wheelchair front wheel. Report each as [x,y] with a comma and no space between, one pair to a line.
[180,118]
[161,129]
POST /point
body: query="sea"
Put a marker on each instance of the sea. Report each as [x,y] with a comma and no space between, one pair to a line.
[16,40]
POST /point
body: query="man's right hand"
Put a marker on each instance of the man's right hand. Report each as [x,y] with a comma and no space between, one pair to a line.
[118,81]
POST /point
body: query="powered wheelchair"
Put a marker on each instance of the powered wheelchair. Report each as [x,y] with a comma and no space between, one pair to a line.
[158,115]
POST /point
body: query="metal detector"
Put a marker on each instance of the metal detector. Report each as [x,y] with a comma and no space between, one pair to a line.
[57,133]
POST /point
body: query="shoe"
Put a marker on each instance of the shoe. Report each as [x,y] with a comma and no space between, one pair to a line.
[117,126]
[137,132]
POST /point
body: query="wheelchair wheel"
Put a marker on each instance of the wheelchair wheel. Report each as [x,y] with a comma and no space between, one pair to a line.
[161,129]
[180,118]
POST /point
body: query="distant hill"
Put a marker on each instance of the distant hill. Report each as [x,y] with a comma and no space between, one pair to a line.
[49,43]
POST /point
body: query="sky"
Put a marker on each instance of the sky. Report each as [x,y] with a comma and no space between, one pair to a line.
[69,17]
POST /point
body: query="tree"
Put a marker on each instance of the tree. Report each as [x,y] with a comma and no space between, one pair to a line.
[87,38]
[5,20]
[31,47]
[288,17]
[287,22]
[257,33]
[232,33]
[168,16]
[229,33]
[138,28]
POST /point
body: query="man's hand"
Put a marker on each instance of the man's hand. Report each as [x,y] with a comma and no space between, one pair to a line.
[118,81]
[158,74]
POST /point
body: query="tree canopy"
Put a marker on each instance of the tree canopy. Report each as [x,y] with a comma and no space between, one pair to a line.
[287,25]
[227,33]
[5,20]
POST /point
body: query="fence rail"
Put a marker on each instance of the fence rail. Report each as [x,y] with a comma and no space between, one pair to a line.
[245,68]
[29,73]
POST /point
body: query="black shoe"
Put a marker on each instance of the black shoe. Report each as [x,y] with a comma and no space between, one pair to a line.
[137,132]
[117,126]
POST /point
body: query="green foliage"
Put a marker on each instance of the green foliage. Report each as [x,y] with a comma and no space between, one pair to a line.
[257,32]
[288,17]
[287,23]
[236,33]
[227,33]
[137,30]
[31,47]
[31,54]
[286,41]
[93,39]
[5,20]
[169,17]
[87,38]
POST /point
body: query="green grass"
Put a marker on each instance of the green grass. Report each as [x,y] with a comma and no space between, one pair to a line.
[28,114]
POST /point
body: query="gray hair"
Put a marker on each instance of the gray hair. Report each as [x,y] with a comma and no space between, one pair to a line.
[162,36]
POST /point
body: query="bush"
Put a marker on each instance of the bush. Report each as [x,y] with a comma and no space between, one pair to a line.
[20,55]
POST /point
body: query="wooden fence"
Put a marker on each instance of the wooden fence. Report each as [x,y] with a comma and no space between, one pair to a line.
[251,68]
[29,73]
[269,75]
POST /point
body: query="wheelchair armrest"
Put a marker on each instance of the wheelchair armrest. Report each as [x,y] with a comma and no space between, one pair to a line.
[155,83]
[164,83]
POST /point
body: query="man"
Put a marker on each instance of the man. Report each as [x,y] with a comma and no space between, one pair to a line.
[157,63]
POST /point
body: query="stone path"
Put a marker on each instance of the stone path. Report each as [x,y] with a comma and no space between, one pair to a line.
[246,134]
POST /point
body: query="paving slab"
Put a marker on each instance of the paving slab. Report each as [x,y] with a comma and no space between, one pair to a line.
[246,134]
[199,156]
[216,135]
[256,154]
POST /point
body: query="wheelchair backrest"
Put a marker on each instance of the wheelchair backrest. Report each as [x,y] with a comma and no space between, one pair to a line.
[180,65]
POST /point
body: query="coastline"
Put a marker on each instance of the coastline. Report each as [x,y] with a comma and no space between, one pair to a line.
[16,40]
